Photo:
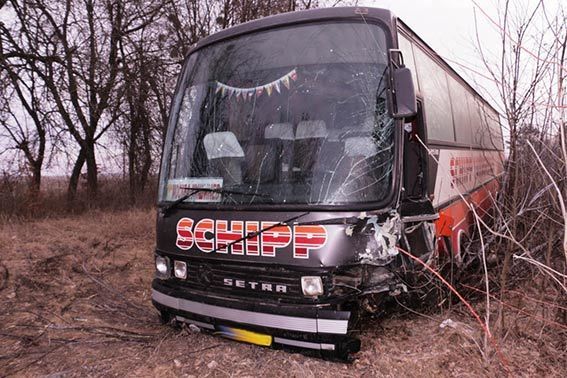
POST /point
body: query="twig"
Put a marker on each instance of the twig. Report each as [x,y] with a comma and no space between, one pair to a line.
[36,360]
[559,196]
[203,349]
[413,311]
[111,289]
[551,322]
[467,304]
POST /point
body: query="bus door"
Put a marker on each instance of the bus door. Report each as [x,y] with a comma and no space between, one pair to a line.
[416,210]
[415,158]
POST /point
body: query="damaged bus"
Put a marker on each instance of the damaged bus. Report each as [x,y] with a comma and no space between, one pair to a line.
[303,151]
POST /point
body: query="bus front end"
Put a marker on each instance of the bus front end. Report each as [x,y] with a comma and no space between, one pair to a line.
[280,179]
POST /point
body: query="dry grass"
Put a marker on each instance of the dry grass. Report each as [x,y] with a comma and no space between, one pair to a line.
[76,302]
[17,203]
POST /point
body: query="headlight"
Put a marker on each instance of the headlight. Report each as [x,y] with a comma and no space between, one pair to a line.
[312,286]
[180,269]
[162,267]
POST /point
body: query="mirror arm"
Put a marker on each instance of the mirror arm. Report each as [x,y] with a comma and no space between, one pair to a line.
[396,53]
[400,82]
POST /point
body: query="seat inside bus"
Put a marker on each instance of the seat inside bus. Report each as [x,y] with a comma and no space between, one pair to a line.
[266,161]
[225,155]
[343,149]
[309,138]
[354,172]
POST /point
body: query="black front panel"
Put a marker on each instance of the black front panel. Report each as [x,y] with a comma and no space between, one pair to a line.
[261,282]
[308,241]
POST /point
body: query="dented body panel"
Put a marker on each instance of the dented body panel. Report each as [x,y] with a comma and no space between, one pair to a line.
[322,239]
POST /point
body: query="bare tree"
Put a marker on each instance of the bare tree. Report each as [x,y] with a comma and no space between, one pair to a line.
[531,219]
[84,35]
[80,68]
[141,109]
[28,115]
[30,140]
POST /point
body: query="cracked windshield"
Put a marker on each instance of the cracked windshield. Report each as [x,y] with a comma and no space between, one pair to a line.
[295,115]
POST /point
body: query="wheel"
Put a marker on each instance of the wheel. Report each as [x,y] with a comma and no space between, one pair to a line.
[165,317]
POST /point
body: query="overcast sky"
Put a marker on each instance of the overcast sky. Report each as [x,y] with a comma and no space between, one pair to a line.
[448,26]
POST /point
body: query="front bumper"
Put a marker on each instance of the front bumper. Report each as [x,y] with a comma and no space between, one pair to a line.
[316,327]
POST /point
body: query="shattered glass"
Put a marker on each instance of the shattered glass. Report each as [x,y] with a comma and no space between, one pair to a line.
[297,113]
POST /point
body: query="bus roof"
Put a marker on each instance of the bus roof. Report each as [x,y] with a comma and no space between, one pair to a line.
[310,15]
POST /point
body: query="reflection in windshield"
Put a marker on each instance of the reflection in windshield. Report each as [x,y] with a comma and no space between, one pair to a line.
[297,114]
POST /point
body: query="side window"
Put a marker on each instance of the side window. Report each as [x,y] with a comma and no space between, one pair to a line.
[433,81]
[492,132]
[461,112]
[497,133]
[474,116]
[407,51]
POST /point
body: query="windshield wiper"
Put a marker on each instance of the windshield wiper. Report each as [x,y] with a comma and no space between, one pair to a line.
[166,209]
[286,222]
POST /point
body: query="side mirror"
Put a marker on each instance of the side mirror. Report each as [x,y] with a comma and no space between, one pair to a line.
[404,94]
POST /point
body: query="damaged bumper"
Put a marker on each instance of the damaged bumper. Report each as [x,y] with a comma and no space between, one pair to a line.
[312,327]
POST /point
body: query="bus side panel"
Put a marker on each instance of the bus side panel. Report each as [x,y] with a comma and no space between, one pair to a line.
[464,175]
[458,215]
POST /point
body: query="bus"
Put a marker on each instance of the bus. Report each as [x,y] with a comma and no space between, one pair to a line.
[304,152]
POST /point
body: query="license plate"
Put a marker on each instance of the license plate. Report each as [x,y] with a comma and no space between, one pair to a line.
[245,336]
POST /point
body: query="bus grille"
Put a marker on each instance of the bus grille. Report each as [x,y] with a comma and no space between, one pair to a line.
[280,284]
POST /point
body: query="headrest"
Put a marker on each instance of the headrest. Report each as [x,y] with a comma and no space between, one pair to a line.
[360,146]
[221,145]
[283,131]
[311,129]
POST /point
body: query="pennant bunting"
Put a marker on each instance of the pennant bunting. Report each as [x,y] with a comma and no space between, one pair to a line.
[248,93]
[285,82]
[293,75]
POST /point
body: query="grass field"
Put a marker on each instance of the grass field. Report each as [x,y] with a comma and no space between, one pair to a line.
[75,301]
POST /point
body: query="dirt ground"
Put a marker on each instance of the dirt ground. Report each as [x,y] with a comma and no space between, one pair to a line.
[75,301]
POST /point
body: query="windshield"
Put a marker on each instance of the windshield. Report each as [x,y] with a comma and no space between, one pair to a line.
[296,115]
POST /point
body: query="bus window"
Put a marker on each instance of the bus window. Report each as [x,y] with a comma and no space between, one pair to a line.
[460,112]
[436,94]
[407,50]
[289,98]
[476,120]
[491,130]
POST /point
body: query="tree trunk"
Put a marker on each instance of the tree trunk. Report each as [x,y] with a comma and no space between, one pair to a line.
[147,157]
[92,172]
[35,180]
[75,175]
[132,160]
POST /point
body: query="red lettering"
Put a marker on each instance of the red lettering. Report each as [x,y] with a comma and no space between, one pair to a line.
[208,236]
[308,238]
[252,243]
[277,237]
[203,227]
[184,235]
[225,237]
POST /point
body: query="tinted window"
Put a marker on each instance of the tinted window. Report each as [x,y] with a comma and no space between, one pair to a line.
[475,120]
[407,50]
[461,113]
[492,132]
[434,89]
